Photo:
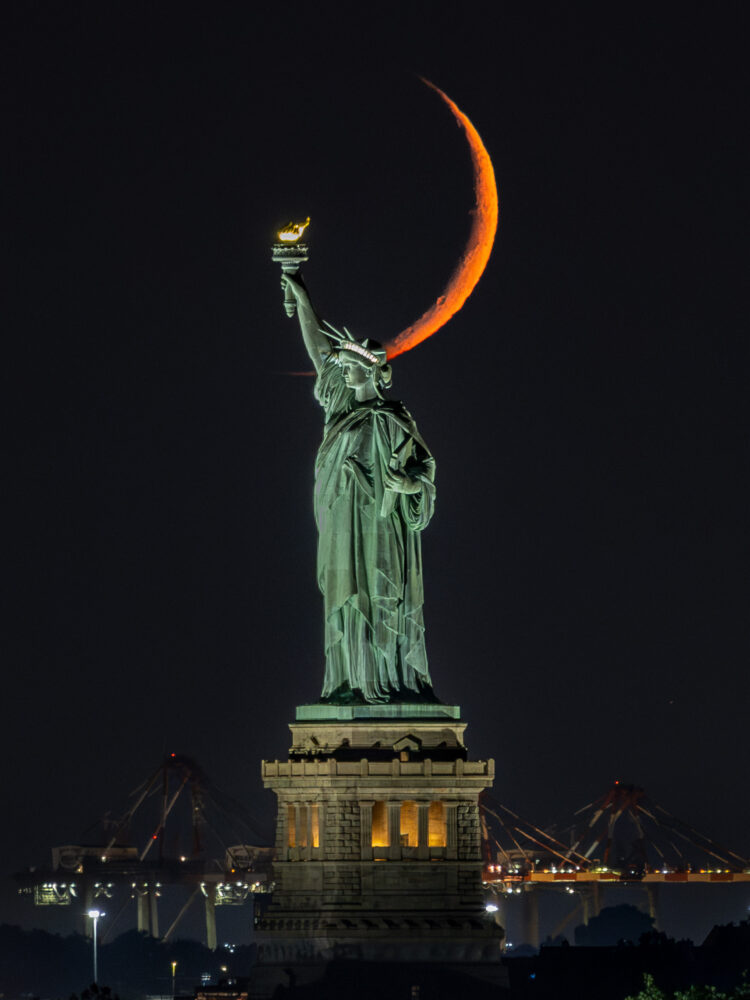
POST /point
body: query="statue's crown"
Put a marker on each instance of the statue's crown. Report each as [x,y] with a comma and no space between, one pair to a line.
[364,352]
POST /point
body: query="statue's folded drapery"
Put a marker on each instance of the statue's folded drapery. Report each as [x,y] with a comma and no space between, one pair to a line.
[369,553]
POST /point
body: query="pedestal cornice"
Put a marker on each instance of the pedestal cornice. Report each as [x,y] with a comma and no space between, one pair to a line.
[403,711]
[393,773]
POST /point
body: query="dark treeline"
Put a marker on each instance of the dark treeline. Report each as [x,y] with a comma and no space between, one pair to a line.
[40,964]
[656,968]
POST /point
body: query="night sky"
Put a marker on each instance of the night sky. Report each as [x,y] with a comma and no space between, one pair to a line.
[586,572]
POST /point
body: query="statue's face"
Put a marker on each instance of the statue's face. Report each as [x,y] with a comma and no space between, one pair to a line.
[354,374]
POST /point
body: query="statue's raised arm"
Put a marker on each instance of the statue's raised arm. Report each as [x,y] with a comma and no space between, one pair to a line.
[318,345]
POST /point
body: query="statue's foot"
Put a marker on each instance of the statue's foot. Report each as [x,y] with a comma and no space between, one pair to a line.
[343,695]
[423,695]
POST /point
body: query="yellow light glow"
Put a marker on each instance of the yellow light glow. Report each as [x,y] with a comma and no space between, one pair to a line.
[292,232]
[302,826]
[379,825]
[409,826]
[315,826]
[436,835]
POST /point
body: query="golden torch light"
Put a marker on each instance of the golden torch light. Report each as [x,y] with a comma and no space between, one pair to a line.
[290,253]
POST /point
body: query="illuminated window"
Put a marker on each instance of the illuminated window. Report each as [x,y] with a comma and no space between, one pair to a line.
[409,828]
[379,825]
[436,828]
[298,832]
[315,826]
[291,826]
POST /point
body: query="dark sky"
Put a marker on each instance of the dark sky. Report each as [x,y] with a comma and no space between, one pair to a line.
[586,571]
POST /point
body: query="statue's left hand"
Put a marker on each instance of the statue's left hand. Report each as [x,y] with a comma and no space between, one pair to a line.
[400,482]
[296,287]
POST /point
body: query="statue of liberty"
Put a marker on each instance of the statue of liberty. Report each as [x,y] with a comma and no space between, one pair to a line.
[374,493]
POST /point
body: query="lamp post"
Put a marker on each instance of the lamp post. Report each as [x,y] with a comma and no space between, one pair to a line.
[174,970]
[95,914]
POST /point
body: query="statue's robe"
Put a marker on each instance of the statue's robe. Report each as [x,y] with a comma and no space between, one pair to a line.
[369,553]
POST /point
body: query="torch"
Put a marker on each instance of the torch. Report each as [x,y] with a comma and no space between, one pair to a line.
[290,253]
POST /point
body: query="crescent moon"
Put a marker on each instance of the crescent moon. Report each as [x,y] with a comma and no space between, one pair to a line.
[478,248]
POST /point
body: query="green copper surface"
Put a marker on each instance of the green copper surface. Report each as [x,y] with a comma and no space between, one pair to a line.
[349,713]
[374,494]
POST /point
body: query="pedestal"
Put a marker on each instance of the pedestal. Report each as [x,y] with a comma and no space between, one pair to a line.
[378,847]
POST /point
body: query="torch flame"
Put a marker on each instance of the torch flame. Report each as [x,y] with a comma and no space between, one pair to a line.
[292,232]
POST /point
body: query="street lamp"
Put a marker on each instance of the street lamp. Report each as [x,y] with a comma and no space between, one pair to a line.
[95,914]
[174,969]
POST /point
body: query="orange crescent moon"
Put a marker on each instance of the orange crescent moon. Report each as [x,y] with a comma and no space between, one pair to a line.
[478,249]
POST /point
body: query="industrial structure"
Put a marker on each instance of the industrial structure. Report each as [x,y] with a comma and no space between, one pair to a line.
[621,838]
[130,861]
[410,801]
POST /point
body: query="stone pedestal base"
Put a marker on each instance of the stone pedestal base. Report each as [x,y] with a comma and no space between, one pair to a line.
[344,979]
[360,980]
[378,845]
